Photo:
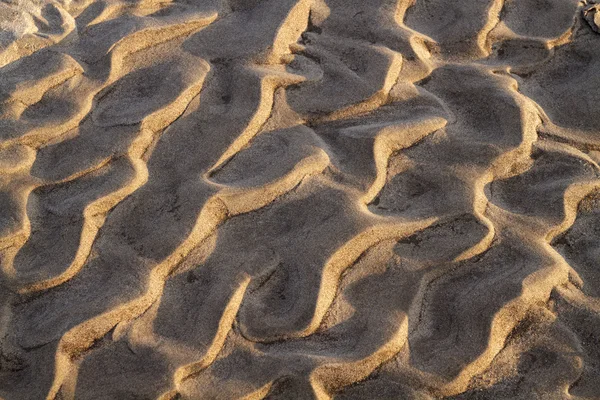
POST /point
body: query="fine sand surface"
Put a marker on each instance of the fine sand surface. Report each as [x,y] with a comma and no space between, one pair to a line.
[299,199]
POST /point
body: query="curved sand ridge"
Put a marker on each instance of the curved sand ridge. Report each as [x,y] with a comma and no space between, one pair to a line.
[300,199]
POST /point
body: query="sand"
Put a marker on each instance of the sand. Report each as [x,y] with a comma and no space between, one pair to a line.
[299,199]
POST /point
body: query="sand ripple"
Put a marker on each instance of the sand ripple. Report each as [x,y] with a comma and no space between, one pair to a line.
[299,199]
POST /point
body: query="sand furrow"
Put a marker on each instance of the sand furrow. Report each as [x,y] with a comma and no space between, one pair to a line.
[299,199]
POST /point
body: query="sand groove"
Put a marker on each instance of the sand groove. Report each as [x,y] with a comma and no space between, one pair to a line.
[307,199]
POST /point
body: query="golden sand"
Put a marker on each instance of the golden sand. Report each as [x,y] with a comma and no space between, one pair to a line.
[299,199]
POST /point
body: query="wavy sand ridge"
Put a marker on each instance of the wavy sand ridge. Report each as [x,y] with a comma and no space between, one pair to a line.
[299,199]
